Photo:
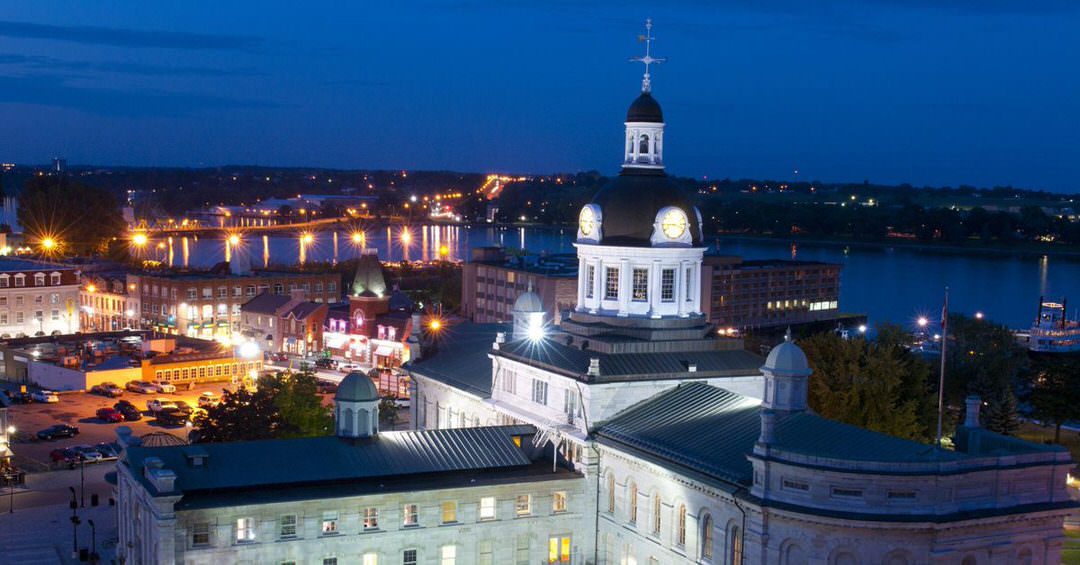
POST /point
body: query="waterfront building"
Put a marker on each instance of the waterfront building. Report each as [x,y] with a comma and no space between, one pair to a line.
[449,497]
[106,304]
[37,298]
[73,362]
[207,304]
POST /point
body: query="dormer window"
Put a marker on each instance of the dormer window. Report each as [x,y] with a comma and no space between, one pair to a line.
[20,280]
[39,279]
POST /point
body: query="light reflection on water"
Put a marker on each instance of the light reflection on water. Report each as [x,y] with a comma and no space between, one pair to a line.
[889,283]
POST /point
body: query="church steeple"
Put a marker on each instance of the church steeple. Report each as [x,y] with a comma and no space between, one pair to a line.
[644,147]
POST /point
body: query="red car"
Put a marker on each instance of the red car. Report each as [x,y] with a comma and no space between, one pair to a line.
[110,415]
[64,456]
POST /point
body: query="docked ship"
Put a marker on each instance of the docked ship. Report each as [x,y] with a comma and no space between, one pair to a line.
[1052,331]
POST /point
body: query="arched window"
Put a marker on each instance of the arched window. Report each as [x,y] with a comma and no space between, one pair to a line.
[707,536]
[611,493]
[656,506]
[680,526]
[793,554]
[734,544]
[633,503]
[844,558]
[643,145]
[347,421]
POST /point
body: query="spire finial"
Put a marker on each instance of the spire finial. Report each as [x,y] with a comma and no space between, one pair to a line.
[648,59]
[787,334]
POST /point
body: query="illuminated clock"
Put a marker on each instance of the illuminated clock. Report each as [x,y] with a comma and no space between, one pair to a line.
[587,220]
[673,223]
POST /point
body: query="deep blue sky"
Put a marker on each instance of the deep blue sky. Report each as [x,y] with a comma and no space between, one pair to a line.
[982,92]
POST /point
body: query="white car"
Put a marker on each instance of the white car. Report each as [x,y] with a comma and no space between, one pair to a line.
[349,367]
[89,454]
[208,399]
[157,404]
[46,396]
[164,387]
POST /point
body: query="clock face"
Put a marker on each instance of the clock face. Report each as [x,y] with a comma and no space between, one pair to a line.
[673,223]
[587,221]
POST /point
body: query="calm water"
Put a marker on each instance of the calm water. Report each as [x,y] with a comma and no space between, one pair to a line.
[893,284]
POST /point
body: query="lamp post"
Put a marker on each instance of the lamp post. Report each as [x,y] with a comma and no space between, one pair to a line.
[93,542]
[74,524]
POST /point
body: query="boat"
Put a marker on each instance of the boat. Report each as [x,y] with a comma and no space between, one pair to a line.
[1052,331]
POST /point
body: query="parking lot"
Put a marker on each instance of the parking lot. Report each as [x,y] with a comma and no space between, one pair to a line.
[78,409]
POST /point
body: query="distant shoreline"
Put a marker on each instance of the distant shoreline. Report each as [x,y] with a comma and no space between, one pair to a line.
[1019,251]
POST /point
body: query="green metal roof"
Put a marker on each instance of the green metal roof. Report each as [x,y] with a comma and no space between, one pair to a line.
[462,358]
[291,462]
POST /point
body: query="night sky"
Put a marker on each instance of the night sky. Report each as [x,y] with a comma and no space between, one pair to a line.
[935,92]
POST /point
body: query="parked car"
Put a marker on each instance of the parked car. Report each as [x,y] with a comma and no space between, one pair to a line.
[108,451]
[107,389]
[279,357]
[324,363]
[58,430]
[46,396]
[324,386]
[64,456]
[130,412]
[208,399]
[88,454]
[120,404]
[158,404]
[349,367]
[18,397]
[164,387]
[140,387]
[184,407]
[171,416]
[110,415]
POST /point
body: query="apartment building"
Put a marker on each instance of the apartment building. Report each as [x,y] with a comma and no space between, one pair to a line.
[37,298]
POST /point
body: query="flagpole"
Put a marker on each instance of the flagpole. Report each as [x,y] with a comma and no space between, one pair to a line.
[941,376]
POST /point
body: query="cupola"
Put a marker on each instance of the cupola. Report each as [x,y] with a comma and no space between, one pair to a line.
[356,407]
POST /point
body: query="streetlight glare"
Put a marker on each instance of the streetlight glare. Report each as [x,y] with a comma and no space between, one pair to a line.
[308,238]
[48,243]
[406,237]
[139,239]
[357,237]
[922,321]
[435,325]
[234,239]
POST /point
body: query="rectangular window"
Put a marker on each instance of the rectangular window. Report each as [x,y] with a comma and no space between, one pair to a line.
[559,549]
[55,314]
[789,484]
[901,495]
[449,512]
[689,284]
[847,492]
[611,283]
[540,390]
[487,508]
[200,533]
[408,557]
[448,555]
[640,290]
[667,285]
[570,403]
[486,550]
[410,517]
[329,523]
[191,293]
[288,526]
[509,381]
[590,280]
[245,530]
[523,505]
[249,290]
[329,561]
[207,292]
[558,502]
[371,518]
[370,559]
[521,551]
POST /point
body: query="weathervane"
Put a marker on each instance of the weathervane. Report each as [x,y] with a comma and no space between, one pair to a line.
[648,59]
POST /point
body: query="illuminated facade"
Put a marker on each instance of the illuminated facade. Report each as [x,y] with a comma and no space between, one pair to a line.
[37,298]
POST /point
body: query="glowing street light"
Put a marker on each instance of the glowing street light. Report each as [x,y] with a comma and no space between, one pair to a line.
[91,288]
[357,237]
[234,239]
[922,321]
[406,236]
[978,315]
[444,251]
[48,243]
[307,238]
[139,239]
[435,325]
[862,328]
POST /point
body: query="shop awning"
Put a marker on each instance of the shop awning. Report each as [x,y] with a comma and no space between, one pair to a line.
[384,351]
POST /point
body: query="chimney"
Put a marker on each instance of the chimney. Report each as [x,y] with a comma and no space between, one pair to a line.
[500,338]
[971,414]
[594,367]
[691,367]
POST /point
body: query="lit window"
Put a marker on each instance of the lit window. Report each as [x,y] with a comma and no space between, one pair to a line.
[707,538]
[633,503]
[558,502]
[680,533]
[449,512]
[667,285]
[523,505]
[245,530]
[487,508]
[640,290]
[611,494]
[410,515]
[288,526]
[330,523]
[559,549]
[371,518]
[689,284]
[448,555]
[611,283]
[657,507]
[370,559]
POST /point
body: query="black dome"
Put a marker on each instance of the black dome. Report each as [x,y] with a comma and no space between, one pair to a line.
[645,108]
[630,202]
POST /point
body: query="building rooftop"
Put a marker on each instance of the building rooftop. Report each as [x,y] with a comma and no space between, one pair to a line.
[224,274]
[329,459]
[14,264]
[106,351]
[462,358]
[265,303]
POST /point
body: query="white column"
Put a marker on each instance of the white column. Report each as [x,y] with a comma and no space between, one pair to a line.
[624,287]
[582,281]
[680,288]
[598,285]
[654,289]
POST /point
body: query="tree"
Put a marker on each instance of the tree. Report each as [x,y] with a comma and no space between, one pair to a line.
[1000,413]
[284,405]
[878,386]
[1055,398]
[81,219]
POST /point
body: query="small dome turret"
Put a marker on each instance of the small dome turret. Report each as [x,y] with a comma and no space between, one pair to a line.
[528,302]
[787,359]
[786,384]
[356,407]
[645,109]
[356,387]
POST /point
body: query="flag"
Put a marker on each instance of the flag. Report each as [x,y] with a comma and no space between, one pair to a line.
[945,313]
[641,38]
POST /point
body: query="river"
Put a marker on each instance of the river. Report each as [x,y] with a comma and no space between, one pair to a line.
[896,284]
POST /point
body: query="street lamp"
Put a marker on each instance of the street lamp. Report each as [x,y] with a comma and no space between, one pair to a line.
[139,239]
[93,542]
[74,524]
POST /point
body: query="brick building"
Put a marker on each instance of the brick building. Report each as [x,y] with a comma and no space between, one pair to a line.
[207,304]
[287,324]
[37,298]
[106,304]
[491,283]
[761,294]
